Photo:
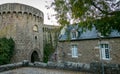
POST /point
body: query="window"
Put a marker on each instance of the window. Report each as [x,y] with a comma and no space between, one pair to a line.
[35,28]
[104,51]
[35,37]
[74,51]
[74,35]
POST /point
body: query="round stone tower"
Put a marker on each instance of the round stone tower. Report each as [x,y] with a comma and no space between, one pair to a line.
[24,24]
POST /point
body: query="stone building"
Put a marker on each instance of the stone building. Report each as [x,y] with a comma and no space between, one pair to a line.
[24,24]
[50,34]
[76,45]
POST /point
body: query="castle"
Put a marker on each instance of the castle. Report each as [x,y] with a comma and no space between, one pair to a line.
[76,51]
[25,25]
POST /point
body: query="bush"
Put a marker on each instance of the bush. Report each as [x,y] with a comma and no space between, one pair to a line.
[6,50]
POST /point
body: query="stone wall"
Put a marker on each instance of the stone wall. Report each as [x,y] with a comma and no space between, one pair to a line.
[45,68]
[88,50]
[53,31]
[26,67]
[17,21]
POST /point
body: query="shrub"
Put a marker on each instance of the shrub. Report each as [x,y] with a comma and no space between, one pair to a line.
[6,50]
[48,50]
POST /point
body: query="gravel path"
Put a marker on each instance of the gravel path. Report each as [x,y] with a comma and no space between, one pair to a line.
[27,70]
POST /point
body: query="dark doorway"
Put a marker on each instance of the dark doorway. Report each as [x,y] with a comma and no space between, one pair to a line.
[34,57]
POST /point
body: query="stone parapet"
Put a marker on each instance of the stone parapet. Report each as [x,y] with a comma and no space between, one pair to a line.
[20,8]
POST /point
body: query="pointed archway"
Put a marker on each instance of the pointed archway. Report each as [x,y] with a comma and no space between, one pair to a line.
[34,57]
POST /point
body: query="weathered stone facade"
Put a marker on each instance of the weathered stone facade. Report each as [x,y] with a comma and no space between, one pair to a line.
[77,45]
[24,24]
[50,34]
[88,50]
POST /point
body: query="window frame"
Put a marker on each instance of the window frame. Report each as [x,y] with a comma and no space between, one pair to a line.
[104,51]
[74,51]
[74,34]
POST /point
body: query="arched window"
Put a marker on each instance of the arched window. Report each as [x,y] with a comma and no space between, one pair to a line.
[35,28]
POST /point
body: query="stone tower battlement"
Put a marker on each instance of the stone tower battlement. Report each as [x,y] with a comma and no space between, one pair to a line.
[20,8]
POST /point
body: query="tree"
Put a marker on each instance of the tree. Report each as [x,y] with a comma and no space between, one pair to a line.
[88,13]
[6,50]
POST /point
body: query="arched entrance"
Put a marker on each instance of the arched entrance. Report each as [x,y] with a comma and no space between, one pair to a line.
[34,56]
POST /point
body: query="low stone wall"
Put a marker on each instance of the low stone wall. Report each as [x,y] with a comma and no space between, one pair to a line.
[53,67]
[97,68]
[61,66]
[65,66]
[10,66]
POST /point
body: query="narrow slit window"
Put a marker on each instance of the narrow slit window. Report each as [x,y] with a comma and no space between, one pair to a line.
[35,37]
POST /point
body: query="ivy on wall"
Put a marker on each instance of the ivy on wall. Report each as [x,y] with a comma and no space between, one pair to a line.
[50,43]
[48,50]
[6,50]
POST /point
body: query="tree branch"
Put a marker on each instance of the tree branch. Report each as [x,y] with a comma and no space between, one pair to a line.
[104,12]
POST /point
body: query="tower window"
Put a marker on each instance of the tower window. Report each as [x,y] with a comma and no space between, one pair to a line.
[35,37]
[35,28]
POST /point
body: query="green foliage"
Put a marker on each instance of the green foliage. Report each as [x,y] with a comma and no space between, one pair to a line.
[50,43]
[6,50]
[106,24]
[87,13]
[48,50]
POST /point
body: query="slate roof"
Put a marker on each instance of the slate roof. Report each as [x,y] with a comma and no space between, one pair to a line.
[88,34]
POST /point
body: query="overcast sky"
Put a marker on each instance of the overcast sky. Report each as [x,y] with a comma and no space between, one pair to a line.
[39,4]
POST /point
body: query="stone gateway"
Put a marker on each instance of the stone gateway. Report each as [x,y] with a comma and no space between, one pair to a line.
[24,24]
